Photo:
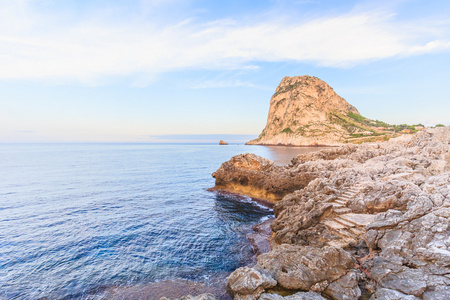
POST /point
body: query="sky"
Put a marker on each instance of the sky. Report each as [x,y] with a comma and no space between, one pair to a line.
[178,70]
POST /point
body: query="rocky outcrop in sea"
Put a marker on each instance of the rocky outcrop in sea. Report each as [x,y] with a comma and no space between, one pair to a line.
[367,221]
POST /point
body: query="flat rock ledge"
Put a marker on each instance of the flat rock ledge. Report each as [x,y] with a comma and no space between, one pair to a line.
[367,221]
[260,238]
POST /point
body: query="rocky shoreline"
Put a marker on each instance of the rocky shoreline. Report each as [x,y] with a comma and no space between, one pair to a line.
[367,221]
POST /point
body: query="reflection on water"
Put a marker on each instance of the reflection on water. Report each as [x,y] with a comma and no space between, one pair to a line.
[282,155]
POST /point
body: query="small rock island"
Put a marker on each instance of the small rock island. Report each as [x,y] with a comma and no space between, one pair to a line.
[221,142]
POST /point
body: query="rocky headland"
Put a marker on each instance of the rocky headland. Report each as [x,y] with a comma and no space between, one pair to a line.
[306,111]
[368,221]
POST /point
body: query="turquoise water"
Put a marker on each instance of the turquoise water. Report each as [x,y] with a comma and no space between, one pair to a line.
[79,218]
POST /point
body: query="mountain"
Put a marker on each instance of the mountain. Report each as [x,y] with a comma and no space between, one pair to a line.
[306,111]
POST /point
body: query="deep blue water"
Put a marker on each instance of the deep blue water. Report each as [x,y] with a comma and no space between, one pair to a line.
[76,218]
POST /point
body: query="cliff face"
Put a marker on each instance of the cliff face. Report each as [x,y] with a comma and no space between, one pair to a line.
[306,111]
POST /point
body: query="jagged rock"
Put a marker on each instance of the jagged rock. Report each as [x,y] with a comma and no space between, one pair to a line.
[414,253]
[387,294]
[326,154]
[301,267]
[296,296]
[296,224]
[437,293]
[221,142]
[248,283]
[345,288]
[260,239]
[406,280]
[257,177]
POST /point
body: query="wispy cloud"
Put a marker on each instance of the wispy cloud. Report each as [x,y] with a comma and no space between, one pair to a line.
[432,46]
[92,49]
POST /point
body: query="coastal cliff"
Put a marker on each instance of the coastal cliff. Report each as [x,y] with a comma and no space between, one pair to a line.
[306,111]
[369,221]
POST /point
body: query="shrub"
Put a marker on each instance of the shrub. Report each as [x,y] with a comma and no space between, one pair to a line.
[356,117]
[287,130]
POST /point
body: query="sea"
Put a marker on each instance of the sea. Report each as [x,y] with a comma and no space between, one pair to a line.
[76,219]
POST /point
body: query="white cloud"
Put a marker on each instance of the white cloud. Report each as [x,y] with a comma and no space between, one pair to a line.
[92,49]
[430,47]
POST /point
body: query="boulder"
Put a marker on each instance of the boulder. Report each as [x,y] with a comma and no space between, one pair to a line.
[296,296]
[345,288]
[301,267]
[249,283]
[387,294]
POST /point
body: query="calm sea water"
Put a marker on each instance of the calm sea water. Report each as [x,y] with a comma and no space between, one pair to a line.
[77,218]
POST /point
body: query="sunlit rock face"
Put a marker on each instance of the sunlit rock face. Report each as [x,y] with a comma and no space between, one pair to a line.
[254,176]
[305,111]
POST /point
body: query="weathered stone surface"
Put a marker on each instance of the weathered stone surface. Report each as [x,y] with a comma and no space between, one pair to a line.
[325,154]
[300,267]
[260,238]
[407,281]
[441,292]
[296,296]
[249,283]
[295,230]
[387,294]
[345,288]
[257,177]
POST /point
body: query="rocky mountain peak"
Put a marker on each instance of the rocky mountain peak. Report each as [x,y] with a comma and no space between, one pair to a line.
[301,112]
[306,111]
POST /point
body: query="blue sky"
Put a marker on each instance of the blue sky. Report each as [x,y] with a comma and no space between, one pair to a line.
[152,70]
